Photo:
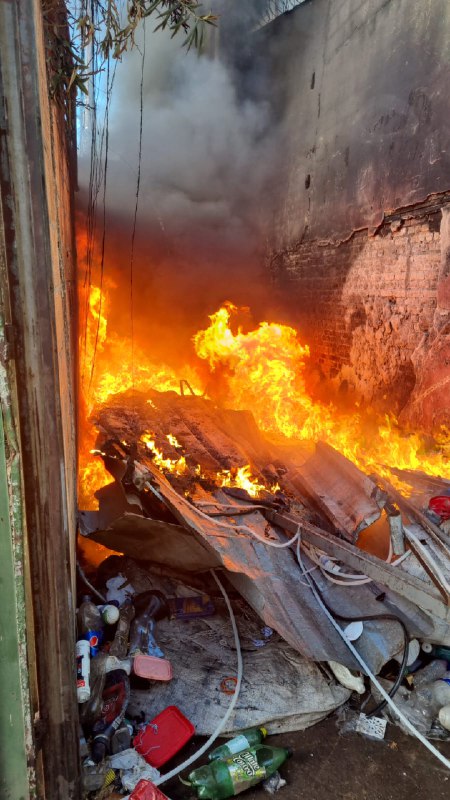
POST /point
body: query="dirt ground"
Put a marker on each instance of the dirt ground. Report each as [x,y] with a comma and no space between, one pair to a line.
[327,765]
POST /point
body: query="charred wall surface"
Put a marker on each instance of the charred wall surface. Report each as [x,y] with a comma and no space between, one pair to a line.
[361,99]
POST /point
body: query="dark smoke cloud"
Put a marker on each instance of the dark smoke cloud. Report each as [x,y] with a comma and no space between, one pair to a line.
[209,158]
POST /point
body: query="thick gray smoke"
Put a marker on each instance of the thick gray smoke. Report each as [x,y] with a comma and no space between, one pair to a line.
[207,154]
[208,161]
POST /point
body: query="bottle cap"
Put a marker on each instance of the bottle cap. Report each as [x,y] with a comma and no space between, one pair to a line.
[264,732]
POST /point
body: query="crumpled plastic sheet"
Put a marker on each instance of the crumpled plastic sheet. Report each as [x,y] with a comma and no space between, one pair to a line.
[280,688]
[133,768]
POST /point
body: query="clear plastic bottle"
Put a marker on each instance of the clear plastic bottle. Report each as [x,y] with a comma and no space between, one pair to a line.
[90,624]
[119,646]
[149,607]
[441,691]
[431,672]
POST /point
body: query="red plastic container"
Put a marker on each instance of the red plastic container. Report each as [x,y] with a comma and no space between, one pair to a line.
[146,790]
[164,736]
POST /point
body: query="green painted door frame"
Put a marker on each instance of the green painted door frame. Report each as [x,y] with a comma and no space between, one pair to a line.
[16,779]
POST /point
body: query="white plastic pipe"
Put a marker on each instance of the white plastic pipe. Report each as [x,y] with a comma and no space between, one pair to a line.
[366,669]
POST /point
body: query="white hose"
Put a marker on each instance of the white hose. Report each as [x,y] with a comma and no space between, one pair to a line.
[366,669]
[347,642]
[223,722]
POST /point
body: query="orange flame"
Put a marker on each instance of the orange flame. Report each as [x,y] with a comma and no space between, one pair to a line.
[265,372]
[242,478]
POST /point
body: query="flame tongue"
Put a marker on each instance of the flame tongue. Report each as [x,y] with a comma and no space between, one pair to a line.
[264,371]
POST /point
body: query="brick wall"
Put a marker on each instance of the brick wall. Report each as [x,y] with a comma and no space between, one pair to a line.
[366,305]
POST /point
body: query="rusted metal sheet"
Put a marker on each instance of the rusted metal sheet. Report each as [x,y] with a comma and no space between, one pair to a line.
[347,496]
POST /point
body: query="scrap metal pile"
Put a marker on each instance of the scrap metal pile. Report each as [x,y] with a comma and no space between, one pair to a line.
[198,488]
[170,453]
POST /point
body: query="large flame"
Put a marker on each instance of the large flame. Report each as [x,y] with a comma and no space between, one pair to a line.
[264,370]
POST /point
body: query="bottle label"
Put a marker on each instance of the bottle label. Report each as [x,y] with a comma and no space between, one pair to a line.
[237,744]
[81,679]
[95,639]
[245,771]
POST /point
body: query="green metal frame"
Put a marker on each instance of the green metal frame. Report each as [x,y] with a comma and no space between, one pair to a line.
[15,733]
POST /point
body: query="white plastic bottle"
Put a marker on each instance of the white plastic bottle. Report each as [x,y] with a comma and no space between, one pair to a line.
[441,691]
[82,653]
[444,717]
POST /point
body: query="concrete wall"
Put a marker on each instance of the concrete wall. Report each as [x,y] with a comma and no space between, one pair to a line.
[361,98]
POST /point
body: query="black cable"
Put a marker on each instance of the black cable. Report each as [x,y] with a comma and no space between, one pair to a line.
[368,618]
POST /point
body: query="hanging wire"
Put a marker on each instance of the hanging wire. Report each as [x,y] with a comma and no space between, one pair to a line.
[136,206]
[109,87]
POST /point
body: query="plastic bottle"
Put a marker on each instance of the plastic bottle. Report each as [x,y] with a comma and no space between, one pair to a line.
[82,654]
[432,672]
[246,739]
[149,607]
[222,779]
[436,650]
[101,665]
[116,696]
[119,646]
[441,691]
[90,624]
[444,717]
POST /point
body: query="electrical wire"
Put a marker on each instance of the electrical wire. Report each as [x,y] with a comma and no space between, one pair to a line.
[367,669]
[223,722]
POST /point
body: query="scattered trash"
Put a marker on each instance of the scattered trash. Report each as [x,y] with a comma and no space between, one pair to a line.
[152,668]
[274,783]
[90,624]
[354,630]
[353,682]
[164,736]
[82,654]
[119,590]
[191,607]
[149,607]
[441,506]
[373,727]
[133,768]
[146,790]
[256,541]
[114,704]
[229,777]
[110,613]
[245,740]
[444,717]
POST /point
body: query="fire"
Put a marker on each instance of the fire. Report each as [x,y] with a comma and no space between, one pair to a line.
[265,372]
[242,478]
[92,476]
[262,370]
[175,466]
[110,365]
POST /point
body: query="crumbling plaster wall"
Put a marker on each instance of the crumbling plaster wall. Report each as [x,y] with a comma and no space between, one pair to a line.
[362,102]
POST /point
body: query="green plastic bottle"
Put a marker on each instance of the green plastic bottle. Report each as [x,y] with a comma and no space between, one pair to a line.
[246,739]
[231,776]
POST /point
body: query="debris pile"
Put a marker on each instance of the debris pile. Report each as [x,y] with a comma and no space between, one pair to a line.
[338,584]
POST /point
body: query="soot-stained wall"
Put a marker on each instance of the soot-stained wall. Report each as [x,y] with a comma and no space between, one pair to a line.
[361,98]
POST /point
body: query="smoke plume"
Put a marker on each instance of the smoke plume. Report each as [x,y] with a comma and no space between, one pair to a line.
[207,166]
